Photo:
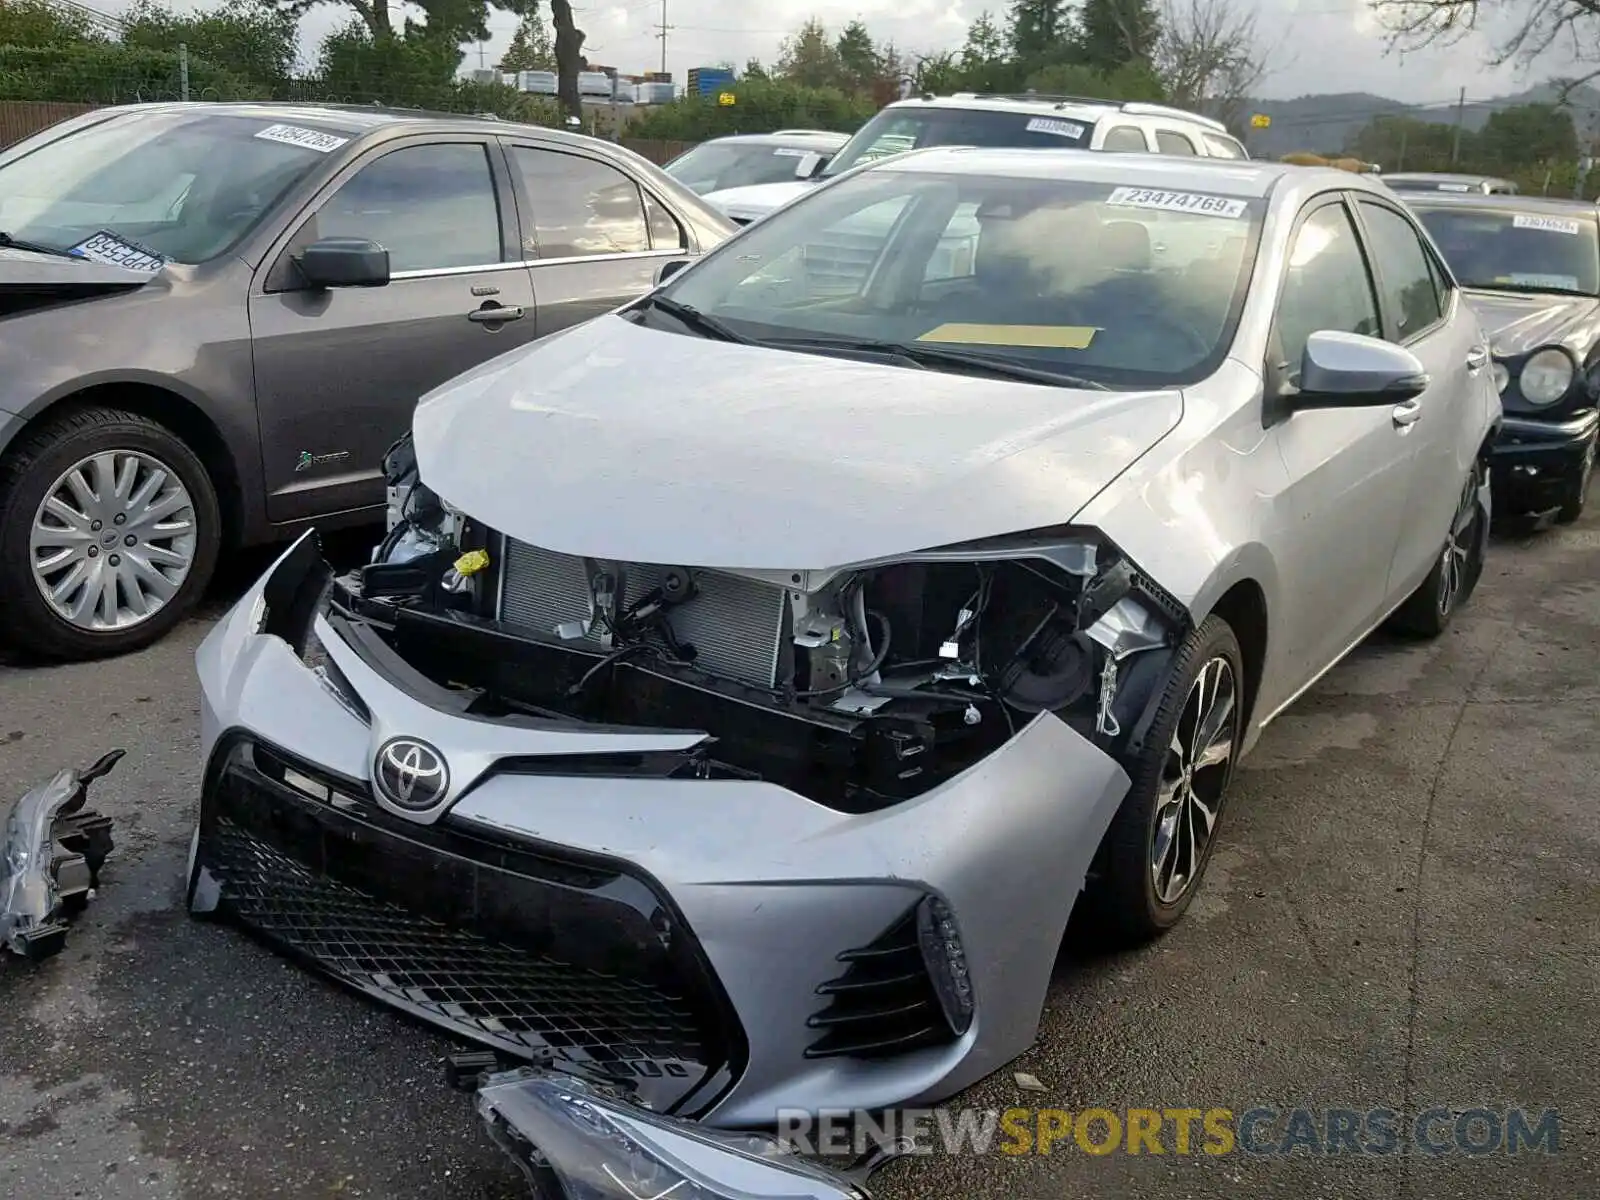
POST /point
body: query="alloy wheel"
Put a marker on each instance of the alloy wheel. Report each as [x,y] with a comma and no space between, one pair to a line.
[113,540]
[1454,563]
[1189,796]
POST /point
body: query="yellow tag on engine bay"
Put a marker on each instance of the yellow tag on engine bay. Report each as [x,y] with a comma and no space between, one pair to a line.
[472,562]
[1042,337]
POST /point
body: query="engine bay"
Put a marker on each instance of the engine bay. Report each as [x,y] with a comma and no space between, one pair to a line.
[859,687]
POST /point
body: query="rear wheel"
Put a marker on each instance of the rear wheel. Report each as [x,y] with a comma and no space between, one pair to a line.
[109,532]
[1156,850]
[1429,609]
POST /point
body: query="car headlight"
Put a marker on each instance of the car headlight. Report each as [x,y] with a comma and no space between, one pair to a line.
[1546,376]
[562,1131]
[1502,377]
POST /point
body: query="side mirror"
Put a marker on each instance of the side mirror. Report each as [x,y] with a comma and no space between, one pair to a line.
[810,165]
[1351,370]
[344,262]
[670,268]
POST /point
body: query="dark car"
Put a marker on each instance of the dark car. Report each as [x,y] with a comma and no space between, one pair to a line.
[1530,267]
[215,318]
[1439,181]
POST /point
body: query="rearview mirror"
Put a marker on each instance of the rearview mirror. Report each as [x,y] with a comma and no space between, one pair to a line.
[1351,370]
[810,164]
[668,269]
[344,262]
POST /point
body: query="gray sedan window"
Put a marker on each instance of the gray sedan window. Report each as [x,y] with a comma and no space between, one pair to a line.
[431,207]
[1327,286]
[581,207]
[1408,284]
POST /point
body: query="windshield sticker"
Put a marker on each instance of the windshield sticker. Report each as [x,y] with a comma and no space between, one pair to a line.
[1184,202]
[306,139]
[1066,129]
[1547,224]
[1558,283]
[113,251]
[1454,187]
[790,152]
[1033,337]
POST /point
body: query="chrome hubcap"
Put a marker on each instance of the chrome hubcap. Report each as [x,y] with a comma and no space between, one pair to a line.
[113,540]
[1189,797]
[1458,548]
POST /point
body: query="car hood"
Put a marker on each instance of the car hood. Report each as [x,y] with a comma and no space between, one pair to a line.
[30,281]
[619,442]
[757,200]
[1518,323]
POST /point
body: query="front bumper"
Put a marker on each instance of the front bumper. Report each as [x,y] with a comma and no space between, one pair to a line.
[1535,463]
[727,946]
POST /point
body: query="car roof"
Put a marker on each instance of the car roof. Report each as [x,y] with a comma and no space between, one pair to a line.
[1085,107]
[797,137]
[363,118]
[1503,202]
[1443,177]
[1245,178]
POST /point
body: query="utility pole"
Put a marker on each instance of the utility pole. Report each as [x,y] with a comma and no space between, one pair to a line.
[663,27]
[1461,111]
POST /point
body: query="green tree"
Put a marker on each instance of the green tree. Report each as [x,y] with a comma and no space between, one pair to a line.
[531,48]
[754,70]
[1405,143]
[808,58]
[1038,31]
[38,23]
[1130,81]
[860,62]
[1524,135]
[251,39]
[1114,32]
[762,106]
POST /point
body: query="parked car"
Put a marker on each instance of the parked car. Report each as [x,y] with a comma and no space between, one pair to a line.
[755,677]
[747,159]
[216,317]
[1530,268]
[972,119]
[1432,181]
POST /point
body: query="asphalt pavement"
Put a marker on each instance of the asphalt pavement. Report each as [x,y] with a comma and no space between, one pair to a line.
[1404,914]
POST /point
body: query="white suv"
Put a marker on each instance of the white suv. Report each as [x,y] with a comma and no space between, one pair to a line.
[974,119]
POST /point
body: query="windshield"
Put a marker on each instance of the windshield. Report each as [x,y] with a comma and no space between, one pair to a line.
[895,130]
[1118,286]
[1517,251]
[183,185]
[713,166]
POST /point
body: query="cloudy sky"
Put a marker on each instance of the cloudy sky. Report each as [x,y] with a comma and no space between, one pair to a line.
[1323,45]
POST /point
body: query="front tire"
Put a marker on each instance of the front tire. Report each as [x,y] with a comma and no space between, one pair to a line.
[1155,853]
[109,533]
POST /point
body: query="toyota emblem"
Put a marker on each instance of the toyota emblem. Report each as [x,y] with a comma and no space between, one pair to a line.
[410,774]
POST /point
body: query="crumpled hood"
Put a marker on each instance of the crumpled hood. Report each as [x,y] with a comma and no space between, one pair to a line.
[634,444]
[1518,323]
[23,270]
[757,200]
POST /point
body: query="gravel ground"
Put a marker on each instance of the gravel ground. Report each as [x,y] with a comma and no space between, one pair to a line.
[1404,914]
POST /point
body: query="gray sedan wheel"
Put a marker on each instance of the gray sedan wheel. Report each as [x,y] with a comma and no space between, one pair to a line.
[109,530]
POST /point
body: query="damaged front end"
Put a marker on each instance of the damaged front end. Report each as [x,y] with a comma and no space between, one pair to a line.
[50,860]
[859,687]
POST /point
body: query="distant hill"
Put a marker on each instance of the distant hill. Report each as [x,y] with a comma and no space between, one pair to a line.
[1327,123]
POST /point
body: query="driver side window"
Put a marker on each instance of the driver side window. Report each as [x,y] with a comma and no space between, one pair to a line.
[1327,286]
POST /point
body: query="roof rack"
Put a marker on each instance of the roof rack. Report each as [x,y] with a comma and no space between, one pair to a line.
[1131,107]
[802,133]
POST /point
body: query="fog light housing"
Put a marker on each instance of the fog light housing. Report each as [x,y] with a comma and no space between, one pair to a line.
[946,961]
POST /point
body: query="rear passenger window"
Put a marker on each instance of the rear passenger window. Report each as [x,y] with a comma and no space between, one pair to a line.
[1223,147]
[1327,286]
[1409,292]
[1174,143]
[580,207]
[1125,139]
[665,232]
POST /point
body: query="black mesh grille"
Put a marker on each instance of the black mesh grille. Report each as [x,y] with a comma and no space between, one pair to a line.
[884,1003]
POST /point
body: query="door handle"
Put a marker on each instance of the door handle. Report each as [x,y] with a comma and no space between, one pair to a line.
[1477,359]
[496,314]
[1406,414]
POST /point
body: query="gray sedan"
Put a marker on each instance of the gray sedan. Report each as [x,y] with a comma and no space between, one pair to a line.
[217,317]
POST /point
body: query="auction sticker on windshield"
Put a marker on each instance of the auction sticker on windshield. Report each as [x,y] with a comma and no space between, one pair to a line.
[1547,224]
[1184,202]
[308,139]
[1031,337]
[1558,283]
[1066,129]
[113,251]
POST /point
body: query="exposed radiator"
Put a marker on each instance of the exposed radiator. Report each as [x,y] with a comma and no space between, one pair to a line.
[735,624]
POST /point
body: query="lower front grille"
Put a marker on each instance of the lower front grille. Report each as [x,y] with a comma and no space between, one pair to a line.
[579,962]
[734,624]
[884,1003]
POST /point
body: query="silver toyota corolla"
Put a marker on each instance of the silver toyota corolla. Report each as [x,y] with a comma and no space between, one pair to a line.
[755,679]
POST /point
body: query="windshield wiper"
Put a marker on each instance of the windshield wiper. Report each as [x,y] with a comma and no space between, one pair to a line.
[10,243]
[1527,289]
[923,355]
[695,319]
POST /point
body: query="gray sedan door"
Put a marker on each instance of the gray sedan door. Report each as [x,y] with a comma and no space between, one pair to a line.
[594,235]
[338,372]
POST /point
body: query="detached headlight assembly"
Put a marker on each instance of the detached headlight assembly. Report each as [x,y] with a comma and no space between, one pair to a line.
[575,1142]
[1547,376]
